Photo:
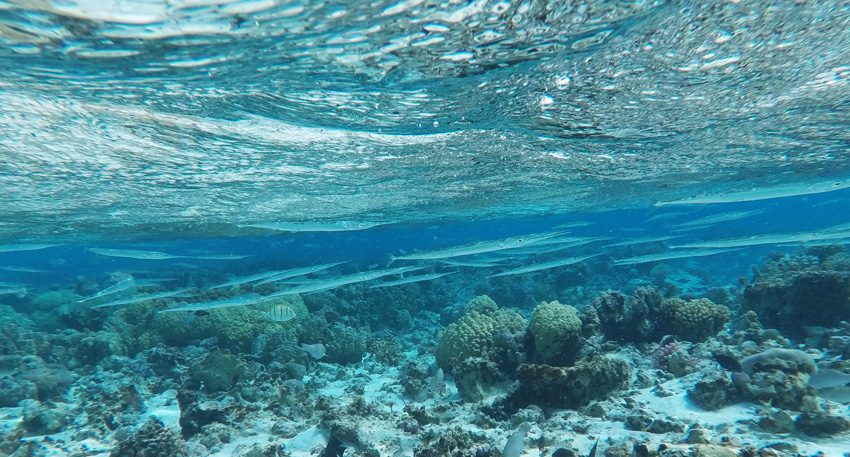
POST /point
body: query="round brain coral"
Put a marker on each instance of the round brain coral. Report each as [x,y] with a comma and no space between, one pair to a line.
[470,336]
[482,304]
[556,329]
[692,320]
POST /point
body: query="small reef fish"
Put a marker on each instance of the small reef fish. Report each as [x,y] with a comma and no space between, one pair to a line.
[776,238]
[478,248]
[280,313]
[135,254]
[239,300]
[333,283]
[764,193]
[544,266]
[316,351]
[24,247]
[669,255]
[143,298]
[516,442]
[410,280]
[301,271]
[635,241]
[121,286]
[827,378]
[338,226]
[716,219]
[728,362]
[242,280]
[14,269]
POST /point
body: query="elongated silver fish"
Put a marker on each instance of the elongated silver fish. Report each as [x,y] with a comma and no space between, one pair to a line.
[775,238]
[12,291]
[478,248]
[470,264]
[230,302]
[545,247]
[120,286]
[241,280]
[11,285]
[669,255]
[573,224]
[135,254]
[24,247]
[635,241]
[333,283]
[717,218]
[300,271]
[665,216]
[544,266]
[410,280]
[144,298]
[218,257]
[15,269]
[336,226]
[764,193]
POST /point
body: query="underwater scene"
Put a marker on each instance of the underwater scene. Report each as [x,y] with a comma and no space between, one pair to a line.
[424,228]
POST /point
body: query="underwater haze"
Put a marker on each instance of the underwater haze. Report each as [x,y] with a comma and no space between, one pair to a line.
[414,228]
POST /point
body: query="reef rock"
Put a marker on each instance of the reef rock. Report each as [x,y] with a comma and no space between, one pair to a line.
[566,387]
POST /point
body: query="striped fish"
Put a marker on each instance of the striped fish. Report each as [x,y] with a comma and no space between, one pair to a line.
[280,313]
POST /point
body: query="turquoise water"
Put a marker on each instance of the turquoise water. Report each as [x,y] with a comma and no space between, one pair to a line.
[236,227]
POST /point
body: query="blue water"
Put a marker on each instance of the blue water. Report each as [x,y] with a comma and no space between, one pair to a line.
[181,127]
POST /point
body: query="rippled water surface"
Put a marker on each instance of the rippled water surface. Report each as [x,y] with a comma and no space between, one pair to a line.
[195,116]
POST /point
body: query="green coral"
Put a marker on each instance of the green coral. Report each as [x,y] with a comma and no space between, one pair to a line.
[294,302]
[235,328]
[692,320]
[482,304]
[555,329]
[347,345]
[470,336]
[217,372]
[474,334]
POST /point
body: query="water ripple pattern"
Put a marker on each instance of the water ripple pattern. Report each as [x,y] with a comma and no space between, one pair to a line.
[200,115]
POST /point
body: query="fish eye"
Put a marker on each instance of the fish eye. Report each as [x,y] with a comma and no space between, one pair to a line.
[520,240]
[837,184]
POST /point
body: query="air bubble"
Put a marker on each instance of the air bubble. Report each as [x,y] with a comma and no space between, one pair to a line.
[563,82]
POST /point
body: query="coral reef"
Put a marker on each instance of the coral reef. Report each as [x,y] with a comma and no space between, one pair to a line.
[474,334]
[626,318]
[691,320]
[217,372]
[782,290]
[555,330]
[566,387]
[152,439]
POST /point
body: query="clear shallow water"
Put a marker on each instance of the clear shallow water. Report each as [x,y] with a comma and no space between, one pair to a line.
[188,117]
[181,128]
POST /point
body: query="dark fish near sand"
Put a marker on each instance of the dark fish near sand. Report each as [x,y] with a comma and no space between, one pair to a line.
[728,362]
